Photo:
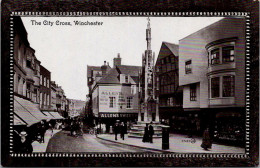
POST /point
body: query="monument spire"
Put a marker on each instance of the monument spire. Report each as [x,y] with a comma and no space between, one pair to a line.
[148,34]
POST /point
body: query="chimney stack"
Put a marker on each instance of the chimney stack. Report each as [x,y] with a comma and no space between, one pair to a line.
[104,68]
[117,60]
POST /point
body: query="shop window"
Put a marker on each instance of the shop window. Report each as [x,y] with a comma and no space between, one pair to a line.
[112,102]
[214,56]
[228,86]
[215,87]
[193,92]
[188,67]
[228,54]
[129,103]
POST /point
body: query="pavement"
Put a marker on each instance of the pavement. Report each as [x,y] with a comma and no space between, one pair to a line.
[41,147]
[177,143]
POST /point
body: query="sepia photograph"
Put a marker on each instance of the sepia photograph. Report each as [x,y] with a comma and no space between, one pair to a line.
[140,83]
[127,84]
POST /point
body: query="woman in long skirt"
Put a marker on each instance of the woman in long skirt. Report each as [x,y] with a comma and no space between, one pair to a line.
[206,141]
[146,134]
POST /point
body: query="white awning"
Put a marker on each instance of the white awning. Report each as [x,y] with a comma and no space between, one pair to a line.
[56,115]
[48,115]
[18,121]
[24,113]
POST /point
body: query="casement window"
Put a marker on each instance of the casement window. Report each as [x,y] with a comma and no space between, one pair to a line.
[228,54]
[214,56]
[126,79]
[215,87]
[221,53]
[228,86]
[193,92]
[188,68]
[129,102]
[112,102]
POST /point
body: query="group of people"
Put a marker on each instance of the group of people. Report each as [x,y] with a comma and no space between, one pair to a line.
[148,133]
[76,128]
[24,138]
[120,129]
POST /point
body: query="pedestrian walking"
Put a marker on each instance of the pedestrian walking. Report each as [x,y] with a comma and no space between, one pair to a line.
[206,141]
[151,132]
[146,133]
[123,130]
[42,131]
[116,130]
[24,144]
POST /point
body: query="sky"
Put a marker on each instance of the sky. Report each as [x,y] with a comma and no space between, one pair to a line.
[66,50]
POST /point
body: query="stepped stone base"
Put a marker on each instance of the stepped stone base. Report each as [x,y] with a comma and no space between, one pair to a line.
[137,130]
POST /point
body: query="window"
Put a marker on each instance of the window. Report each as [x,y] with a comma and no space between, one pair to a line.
[112,101]
[28,91]
[214,56]
[44,81]
[228,54]
[129,103]
[188,67]
[193,92]
[40,79]
[162,61]
[228,86]
[47,83]
[121,100]
[215,87]
[126,79]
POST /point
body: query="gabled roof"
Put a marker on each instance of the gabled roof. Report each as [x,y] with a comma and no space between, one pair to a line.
[166,49]
[113,75]
[173,47]
[129,69]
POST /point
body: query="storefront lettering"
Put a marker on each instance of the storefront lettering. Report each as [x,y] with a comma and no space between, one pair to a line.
[111,115]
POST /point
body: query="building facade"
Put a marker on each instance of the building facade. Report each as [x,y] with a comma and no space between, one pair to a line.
[212,74]
[167,86]
[115,95]
[45,89]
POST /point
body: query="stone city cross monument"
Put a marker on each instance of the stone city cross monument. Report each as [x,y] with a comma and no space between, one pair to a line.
[149,106]
[148,103]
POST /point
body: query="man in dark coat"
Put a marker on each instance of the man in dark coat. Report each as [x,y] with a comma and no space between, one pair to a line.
[123,130]
[116,129]
[24,144]
[151,133]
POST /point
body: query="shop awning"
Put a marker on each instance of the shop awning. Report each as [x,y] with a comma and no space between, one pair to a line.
[32,108]
[18,121]
[48,115]
[23,113]
[56,115]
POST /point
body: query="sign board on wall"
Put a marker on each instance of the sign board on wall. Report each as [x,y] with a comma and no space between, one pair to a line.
[117,115]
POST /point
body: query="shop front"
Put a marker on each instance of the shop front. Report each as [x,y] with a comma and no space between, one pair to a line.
[230,125]
[109,120]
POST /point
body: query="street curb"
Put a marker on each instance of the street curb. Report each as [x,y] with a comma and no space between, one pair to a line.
[135,145]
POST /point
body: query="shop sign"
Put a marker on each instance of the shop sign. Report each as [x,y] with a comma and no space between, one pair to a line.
[117,115]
